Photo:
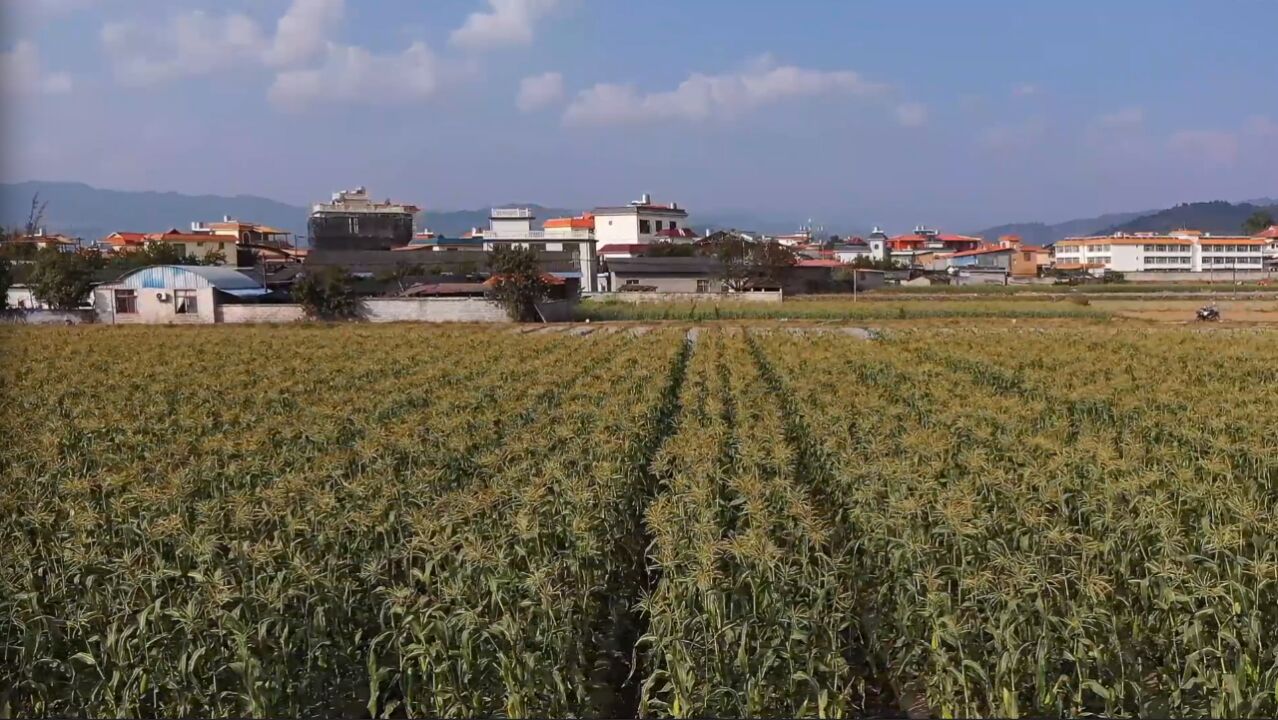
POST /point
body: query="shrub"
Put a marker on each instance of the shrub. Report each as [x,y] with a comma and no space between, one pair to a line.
[326,294]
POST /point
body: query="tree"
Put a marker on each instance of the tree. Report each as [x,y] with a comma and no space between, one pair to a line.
[61,280]
[517,283]
[742,262]
[35,218]
[770,260]
[669,249]
[214,257]
[1258,222]
[401,273]
[153,253]
[6,279]
[326,294]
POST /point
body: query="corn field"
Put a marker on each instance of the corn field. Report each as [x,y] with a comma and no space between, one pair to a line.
[394,521]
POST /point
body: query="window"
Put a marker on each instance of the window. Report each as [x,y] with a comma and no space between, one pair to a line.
[184,302]
[1027,256]
[126,302]
[703,286]
[645,227]
[674,225]
[658,226]
[632,281]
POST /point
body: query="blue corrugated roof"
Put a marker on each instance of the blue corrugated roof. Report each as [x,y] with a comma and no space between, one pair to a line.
[190,277]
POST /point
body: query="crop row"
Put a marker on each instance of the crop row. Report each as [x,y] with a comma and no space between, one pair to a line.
[467,522]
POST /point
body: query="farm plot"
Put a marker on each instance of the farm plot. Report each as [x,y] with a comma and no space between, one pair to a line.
[381,522]
[396,521]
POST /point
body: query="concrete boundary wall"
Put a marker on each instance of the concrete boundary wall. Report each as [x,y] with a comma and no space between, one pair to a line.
[47,317]
[383,310]
[1223,277]
[649,297]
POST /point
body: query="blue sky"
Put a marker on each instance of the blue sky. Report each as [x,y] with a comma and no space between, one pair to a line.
[958,114]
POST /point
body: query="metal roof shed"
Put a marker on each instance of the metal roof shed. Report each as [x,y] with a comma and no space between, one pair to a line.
[192,277]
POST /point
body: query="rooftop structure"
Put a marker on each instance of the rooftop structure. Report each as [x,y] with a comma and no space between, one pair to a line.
[352,221]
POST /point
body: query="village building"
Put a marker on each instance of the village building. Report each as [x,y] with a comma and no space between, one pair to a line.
[910,248]
[640,222]
[1177,251]
[353,221]
[176,294]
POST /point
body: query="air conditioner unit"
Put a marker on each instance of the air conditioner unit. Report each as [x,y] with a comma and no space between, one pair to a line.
[162,296]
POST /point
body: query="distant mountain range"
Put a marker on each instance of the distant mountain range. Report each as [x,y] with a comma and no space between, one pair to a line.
[80,210]
[1037,233]
[1217,217]
[83,211]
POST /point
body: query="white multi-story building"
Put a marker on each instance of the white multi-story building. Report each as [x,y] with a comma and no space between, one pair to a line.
[641,223]
[1178,251]
[514,226]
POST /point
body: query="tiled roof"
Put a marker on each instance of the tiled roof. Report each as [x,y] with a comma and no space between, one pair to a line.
[677,233]
[181,237]
[545,277]
[621,248]
[585,221]
[982,251]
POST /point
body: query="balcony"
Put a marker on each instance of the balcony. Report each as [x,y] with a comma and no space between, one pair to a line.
[538,235]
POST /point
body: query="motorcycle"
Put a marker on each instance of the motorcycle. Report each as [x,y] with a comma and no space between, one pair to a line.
[1209,314]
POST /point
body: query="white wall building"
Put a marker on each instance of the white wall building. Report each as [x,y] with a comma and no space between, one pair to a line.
[640,222]
[514,226]
[878,242]
[1179,251]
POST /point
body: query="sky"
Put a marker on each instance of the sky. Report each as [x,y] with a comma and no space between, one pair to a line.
[951,114]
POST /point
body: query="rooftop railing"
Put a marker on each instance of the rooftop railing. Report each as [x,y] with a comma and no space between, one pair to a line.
[511,213]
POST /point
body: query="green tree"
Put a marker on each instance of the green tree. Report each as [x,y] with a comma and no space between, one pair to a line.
[326,294]
[1258,222]
[152,253]
[742,262]
[61,280]
[517,282]
[216,257]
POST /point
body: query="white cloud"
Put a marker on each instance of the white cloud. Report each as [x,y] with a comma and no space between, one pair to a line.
[911,114]
[23,73]
[508,22]
[199,43]
[302,33]
[1212,148]
[539,91]
[1126,118]
[1015,136]
[353,74]
[1261,126]
[1024,89]
[193,43]
[703,96]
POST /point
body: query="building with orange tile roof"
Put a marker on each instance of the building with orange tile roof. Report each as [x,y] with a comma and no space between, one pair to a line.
[1177,251]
